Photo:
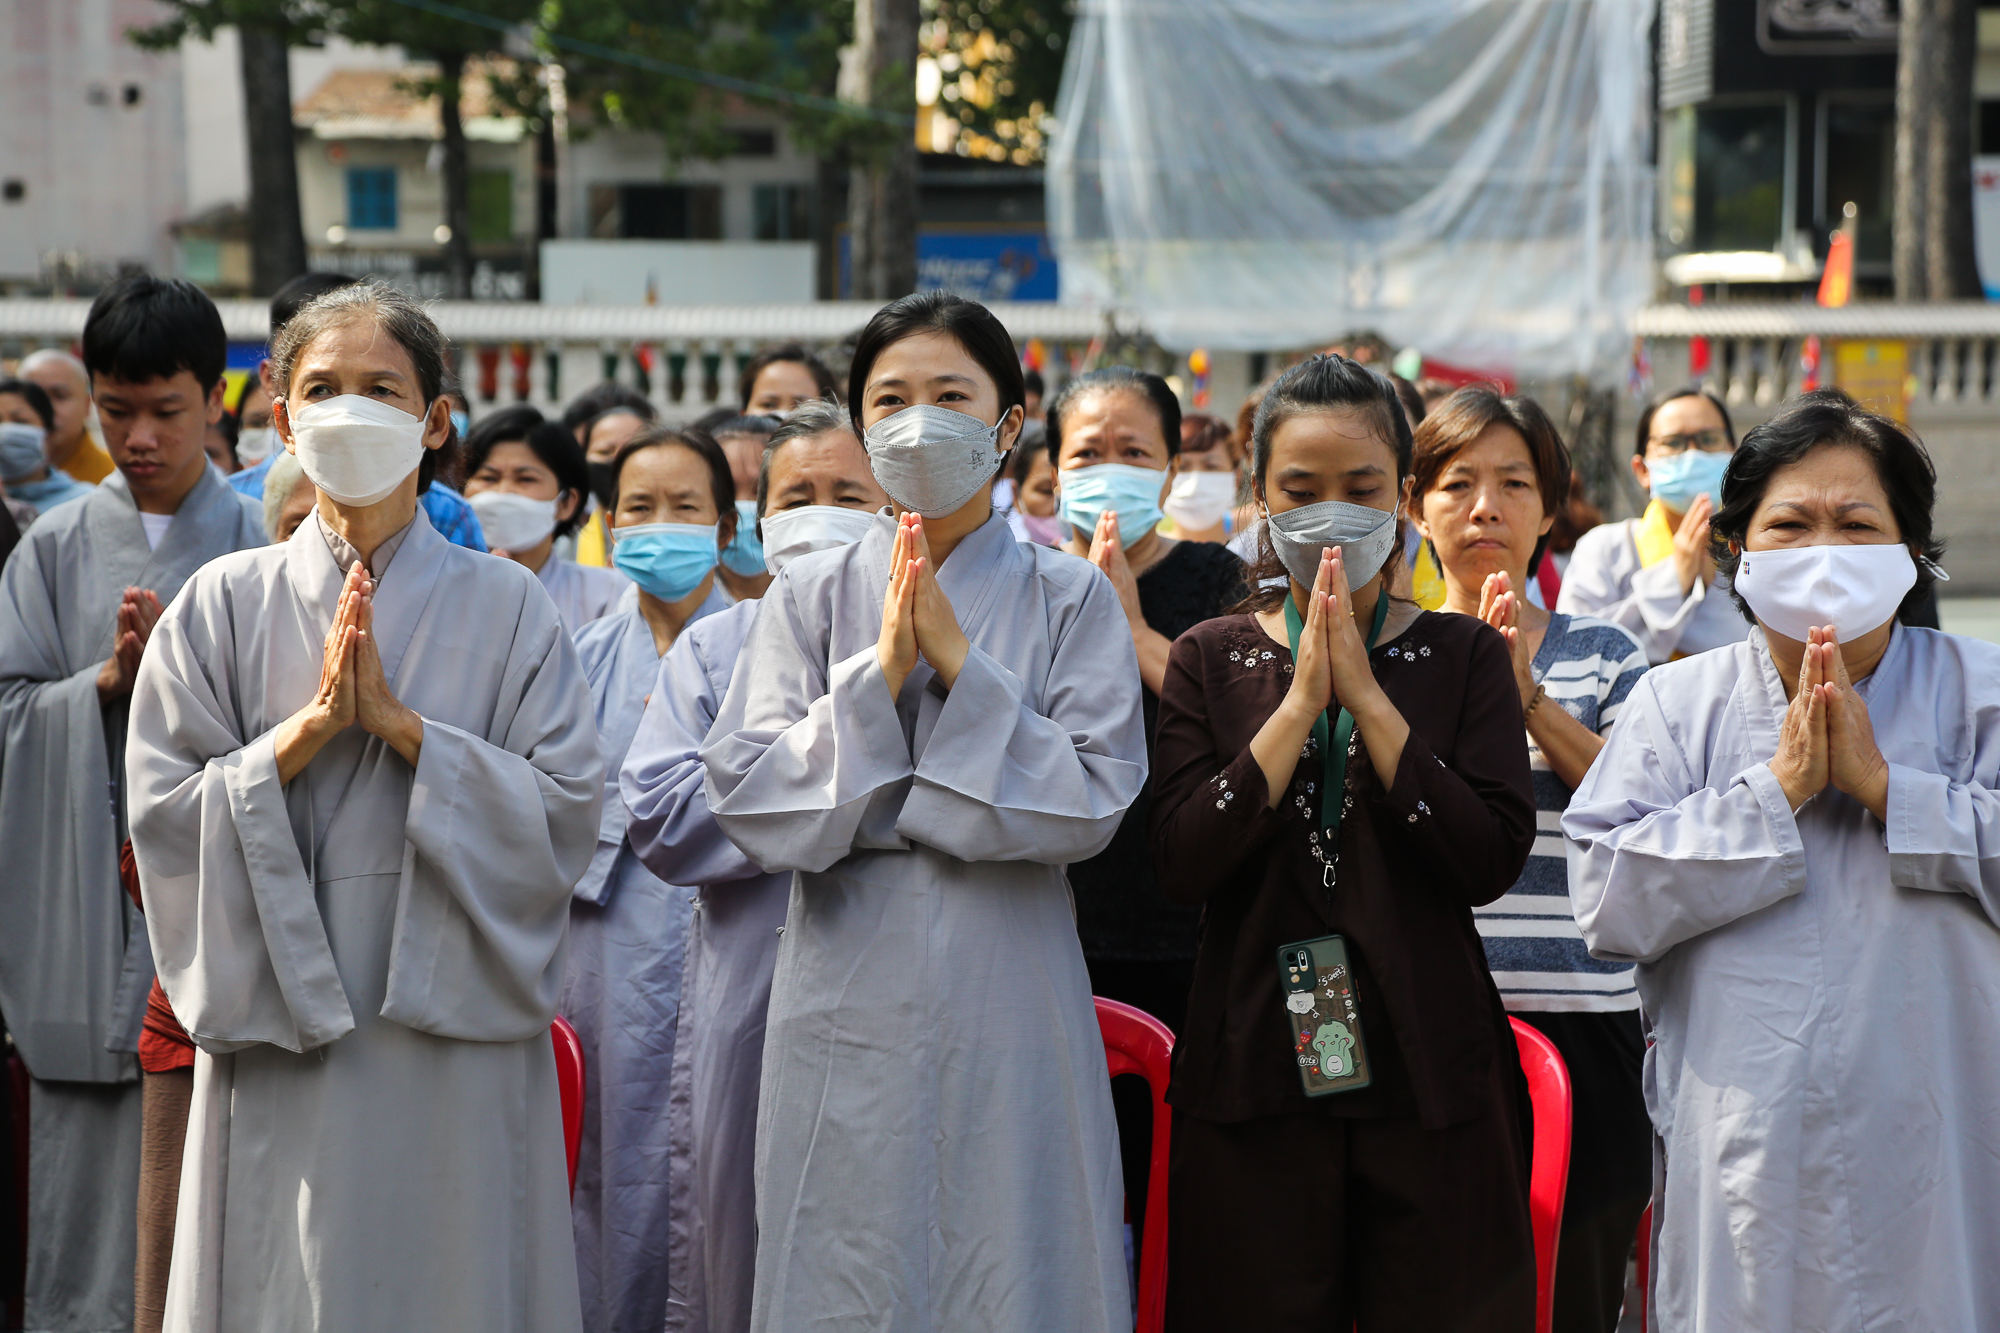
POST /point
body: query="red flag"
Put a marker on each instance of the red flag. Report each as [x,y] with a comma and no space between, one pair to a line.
[1836,280]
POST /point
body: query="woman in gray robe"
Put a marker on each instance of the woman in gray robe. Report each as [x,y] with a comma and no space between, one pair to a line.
[363,779]
[1798,840]
[628,927]
[935,1143]
[814,491]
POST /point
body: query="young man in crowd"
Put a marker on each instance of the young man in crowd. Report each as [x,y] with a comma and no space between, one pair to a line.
[61,377]
[78,602]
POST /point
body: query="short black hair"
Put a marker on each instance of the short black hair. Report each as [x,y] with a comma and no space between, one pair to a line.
[595,402]
[547,440]
[288,299]
[1031,379]
[722,482]
[984,338]
[1145,383]
[1658,401]
[144,328]
[1412,398]
[228,427]
[747,381]
[812,418]
[1813,420]
[35,396]
[749,423]
[714,417]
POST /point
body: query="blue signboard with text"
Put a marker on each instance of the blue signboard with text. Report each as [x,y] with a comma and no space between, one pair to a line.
[984,265]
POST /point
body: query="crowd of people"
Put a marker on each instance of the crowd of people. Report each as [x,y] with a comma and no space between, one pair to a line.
[819,761]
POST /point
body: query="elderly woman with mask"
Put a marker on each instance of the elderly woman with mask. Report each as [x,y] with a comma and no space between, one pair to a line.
[26,418]
[1797,839]
[363,777]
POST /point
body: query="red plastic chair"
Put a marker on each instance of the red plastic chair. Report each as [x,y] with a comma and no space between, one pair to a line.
[1548,1089]
[1135,1042]
[1645,1256]
[569,1078]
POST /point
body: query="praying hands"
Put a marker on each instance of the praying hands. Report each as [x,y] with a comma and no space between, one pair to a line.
[352,688]
[917,618]
[1827,738]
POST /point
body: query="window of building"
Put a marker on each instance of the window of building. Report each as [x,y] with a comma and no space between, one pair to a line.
[371,199]
[1740,162]
[1858,166]
[755,143]
[491,196]
[656,212]
[782,212]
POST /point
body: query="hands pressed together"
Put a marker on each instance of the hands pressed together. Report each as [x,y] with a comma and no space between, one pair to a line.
[138,611]
[1500,607]
[917,618]
[1827,738]
[352,688]
[1694,561]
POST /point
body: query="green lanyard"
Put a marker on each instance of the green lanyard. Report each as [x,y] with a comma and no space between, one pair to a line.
[1333,784]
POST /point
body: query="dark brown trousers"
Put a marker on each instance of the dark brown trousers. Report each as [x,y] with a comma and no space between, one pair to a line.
[1311,1224]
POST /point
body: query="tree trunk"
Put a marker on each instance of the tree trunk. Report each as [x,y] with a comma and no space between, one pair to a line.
[882,190]
[1934,258]
[1950,260]
[277,240]
[457,179]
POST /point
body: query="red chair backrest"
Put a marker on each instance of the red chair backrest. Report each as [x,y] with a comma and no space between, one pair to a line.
[1645,1255]
[569,1078]
[1548,1089]
[1135,1042]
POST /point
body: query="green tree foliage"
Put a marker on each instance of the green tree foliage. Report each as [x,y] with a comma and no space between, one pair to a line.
[1001,62]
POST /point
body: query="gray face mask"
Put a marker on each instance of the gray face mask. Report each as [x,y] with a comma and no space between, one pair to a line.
[1365,537]
[20,449]
[932,459]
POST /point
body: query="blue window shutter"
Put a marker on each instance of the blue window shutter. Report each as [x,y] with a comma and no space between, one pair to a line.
[371,198]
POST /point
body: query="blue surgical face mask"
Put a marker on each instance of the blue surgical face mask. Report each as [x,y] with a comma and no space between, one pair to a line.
[668,560]
[1677,481]
[745,554]
[461,423]
[20,450]
[1133,491]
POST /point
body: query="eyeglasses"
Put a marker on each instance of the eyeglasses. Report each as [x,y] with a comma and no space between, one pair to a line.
[1708,441]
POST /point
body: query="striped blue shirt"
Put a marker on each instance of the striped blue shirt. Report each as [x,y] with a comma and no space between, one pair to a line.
[1533,946]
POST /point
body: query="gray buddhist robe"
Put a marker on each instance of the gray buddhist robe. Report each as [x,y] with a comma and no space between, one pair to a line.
[725,987]
[1824,990]
[1606,578]
[935,1143]
[582,593]
[368,956]
[628,935]
[74,961]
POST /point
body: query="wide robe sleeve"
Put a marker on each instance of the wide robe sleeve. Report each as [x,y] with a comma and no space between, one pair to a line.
[1004,777]
[1606,580]
[496,832]
[671,827]
[1944,836]
[1657,856]
[802,747]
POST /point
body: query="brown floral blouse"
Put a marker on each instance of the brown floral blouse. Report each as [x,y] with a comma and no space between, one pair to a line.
[1450,831]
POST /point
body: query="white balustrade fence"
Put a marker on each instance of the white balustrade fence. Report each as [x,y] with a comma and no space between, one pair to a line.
[685,359]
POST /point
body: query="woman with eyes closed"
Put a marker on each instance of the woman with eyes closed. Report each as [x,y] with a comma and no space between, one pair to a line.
[673,512]
[1342,775]
[1489,476]
[363,778]
[527,481]
[929,724]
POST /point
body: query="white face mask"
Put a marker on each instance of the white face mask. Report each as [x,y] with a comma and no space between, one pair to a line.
[932,459]
[355,449]
[1365,537]
[1200,500]
[254,444]
[791,533]
[512,522]
[1852,589]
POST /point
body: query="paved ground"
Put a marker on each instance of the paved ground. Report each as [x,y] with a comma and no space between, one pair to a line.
[1977,617]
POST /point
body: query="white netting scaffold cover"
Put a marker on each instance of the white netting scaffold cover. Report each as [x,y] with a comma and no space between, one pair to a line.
[1469,177]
